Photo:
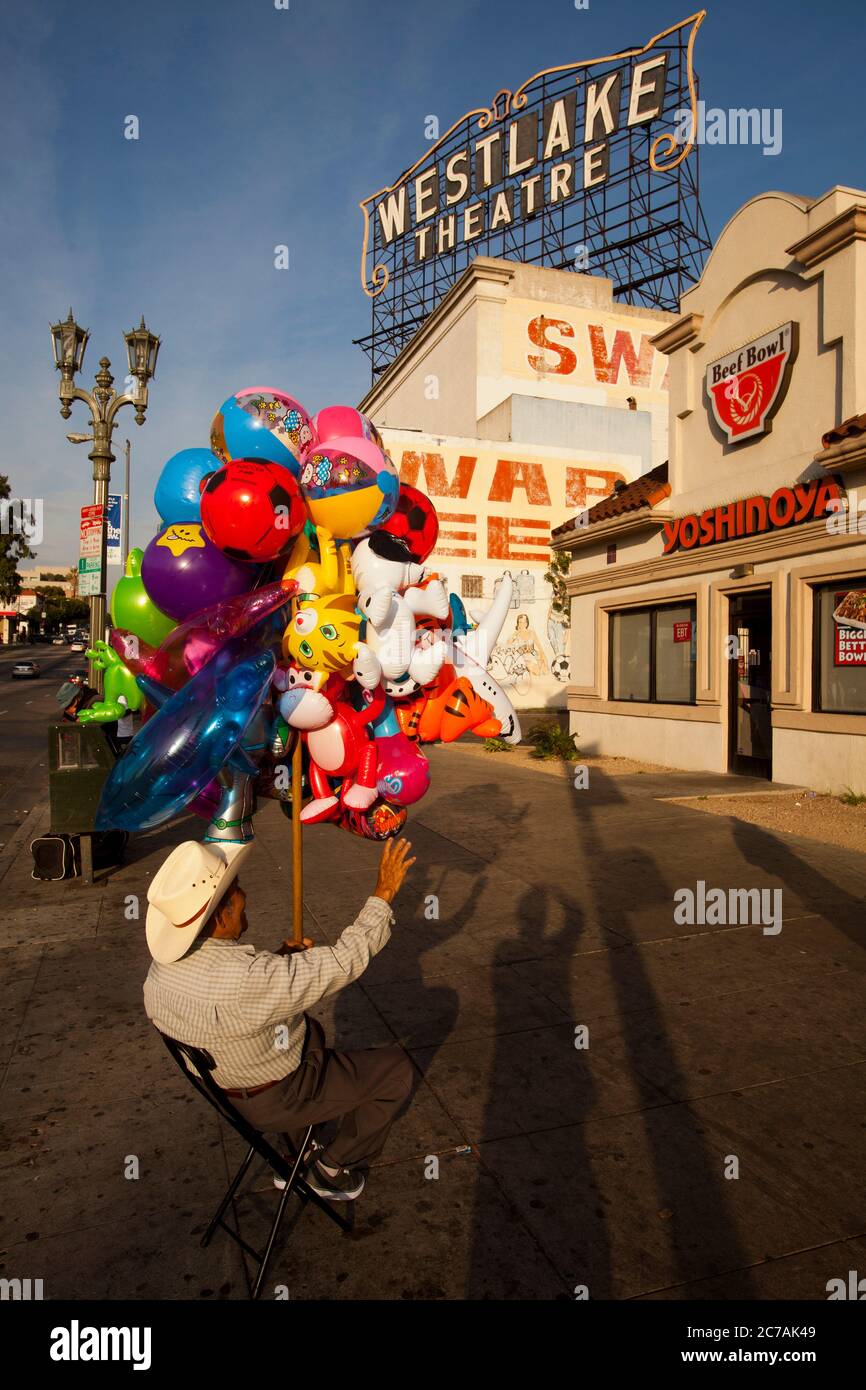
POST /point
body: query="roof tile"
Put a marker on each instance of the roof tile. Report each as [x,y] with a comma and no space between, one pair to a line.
[854,425]
[646,491]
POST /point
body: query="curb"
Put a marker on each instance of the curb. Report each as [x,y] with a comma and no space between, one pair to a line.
[21,836]
[739,796]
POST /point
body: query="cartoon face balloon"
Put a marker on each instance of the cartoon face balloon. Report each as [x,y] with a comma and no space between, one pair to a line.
[350,485]
[183,572]
[261,423]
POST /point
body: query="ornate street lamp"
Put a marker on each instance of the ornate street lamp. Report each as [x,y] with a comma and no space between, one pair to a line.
[142,349]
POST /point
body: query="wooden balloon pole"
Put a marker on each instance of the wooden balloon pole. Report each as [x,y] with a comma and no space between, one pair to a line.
[298,941]
[297,851]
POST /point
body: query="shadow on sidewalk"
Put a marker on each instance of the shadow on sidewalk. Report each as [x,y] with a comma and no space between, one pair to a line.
[584,1215]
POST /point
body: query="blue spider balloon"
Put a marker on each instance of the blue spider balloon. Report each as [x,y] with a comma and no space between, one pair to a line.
[195,732]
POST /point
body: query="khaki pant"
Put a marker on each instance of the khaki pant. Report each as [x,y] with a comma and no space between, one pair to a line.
[362,1090]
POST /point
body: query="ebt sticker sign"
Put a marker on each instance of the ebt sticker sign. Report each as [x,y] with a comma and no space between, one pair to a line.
[746,385]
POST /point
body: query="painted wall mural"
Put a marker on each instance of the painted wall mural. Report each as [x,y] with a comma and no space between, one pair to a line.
[497,504]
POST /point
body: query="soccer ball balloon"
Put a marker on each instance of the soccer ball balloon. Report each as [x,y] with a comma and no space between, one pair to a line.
[260,423]
[414,522]
[252,511]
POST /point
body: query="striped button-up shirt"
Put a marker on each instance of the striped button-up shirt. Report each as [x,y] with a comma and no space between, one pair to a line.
[246,1007]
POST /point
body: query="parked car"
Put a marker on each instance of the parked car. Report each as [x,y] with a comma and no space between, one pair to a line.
[25,670]
[58,641]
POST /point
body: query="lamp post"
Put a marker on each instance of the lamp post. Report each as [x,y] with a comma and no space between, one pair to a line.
[142,347]
[124,509]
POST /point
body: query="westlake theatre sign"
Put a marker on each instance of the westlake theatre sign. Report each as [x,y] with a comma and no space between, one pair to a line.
[788,506]
[539,147]
[580,168]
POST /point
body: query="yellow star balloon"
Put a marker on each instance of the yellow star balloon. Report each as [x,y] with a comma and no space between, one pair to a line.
[181,538]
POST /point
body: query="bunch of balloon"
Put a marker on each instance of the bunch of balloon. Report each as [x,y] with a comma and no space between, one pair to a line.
[284,614]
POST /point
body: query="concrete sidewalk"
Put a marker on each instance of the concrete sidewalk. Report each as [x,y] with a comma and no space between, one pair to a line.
[600,1166]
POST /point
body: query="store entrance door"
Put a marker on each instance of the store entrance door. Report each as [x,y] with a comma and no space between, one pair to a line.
[751,738]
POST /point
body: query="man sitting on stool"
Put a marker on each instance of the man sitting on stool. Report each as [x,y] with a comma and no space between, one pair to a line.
[246,1007]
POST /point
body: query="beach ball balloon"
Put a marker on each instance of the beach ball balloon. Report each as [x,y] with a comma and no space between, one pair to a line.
[178,491]
[260,423]
[350,485]
[414,522]
[343,422]
[252,511]
[183,572]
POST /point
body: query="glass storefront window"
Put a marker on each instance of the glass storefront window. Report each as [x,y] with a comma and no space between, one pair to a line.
[675,651]
[630,652]
[653,654]
[840,647]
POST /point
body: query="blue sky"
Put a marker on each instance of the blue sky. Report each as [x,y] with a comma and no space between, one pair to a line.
[261,127]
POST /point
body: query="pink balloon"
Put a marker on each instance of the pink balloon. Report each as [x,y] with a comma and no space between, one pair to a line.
[191,644]
[343,422]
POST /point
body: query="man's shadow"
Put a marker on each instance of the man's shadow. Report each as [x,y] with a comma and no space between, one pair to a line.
[612,892]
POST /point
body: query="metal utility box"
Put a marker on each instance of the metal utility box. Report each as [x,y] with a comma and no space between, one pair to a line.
[79,761]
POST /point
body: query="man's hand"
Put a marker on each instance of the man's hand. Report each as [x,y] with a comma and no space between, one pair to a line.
[393,868]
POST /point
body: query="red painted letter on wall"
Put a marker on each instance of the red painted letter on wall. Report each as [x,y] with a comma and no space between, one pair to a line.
[435,478]
[511,474]
[578,491]
[638,369]
[505,534]
[537,330]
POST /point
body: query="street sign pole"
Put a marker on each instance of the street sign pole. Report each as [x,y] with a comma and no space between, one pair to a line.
[91,573]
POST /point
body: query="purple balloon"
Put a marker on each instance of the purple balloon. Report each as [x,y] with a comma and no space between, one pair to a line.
[183,572]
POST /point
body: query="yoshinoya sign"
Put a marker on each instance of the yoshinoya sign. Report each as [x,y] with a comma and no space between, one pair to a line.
[745,386]
[788,506]
[563,172]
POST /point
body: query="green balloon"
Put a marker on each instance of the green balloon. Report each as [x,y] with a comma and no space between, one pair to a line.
[133,611]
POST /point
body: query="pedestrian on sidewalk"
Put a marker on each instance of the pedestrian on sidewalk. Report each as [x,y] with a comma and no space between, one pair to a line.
[248,1009]
[75,696]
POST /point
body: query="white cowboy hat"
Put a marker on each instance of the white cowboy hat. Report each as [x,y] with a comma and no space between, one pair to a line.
[184,892]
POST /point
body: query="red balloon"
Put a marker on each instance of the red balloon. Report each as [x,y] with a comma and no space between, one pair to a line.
[252,510]
[414,522]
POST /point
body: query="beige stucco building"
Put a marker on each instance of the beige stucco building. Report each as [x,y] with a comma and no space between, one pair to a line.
[719,604]
[527,394]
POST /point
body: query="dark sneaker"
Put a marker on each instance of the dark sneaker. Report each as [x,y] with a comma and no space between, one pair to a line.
[315,1147]
[345,1185]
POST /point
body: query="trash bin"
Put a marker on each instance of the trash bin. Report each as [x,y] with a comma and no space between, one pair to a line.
[79,761]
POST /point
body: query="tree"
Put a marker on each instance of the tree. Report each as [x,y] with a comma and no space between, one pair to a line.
[60,610]
[556,575]
[13,547]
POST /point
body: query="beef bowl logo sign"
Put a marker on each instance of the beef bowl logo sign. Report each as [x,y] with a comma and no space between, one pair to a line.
[745,386]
